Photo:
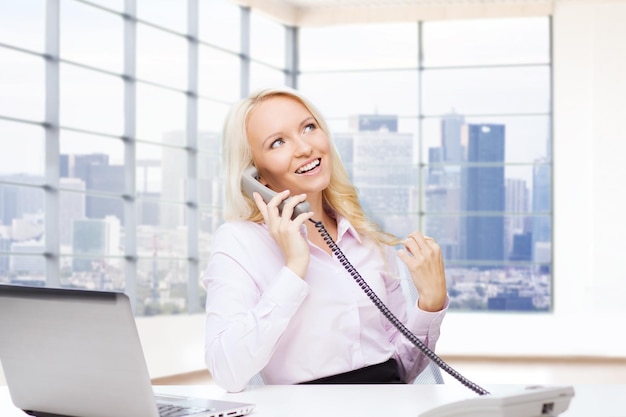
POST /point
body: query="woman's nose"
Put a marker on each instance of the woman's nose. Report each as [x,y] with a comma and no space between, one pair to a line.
[303,147]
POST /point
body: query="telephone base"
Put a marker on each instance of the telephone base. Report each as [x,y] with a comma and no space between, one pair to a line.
[532,401]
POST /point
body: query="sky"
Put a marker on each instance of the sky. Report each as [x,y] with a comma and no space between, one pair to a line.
[94,101]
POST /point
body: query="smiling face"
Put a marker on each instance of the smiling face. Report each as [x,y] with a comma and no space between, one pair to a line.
[288,147]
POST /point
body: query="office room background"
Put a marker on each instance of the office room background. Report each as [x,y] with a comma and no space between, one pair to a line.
[495,126]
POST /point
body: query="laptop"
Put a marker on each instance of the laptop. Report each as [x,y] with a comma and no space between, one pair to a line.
[69,352]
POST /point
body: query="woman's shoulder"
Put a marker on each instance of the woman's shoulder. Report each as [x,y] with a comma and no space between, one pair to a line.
[239,233]
[235,226]
[242,228]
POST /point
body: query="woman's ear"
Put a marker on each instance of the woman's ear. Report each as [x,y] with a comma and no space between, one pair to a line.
[260,178]
[262,181]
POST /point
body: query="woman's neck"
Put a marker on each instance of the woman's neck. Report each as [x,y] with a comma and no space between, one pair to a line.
[317,207]
[330,225]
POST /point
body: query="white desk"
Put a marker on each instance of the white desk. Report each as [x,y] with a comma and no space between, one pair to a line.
[372,400]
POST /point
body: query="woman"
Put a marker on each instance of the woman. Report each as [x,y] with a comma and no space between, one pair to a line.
[278,301]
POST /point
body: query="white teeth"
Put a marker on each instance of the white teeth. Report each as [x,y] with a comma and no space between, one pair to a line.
[308,167]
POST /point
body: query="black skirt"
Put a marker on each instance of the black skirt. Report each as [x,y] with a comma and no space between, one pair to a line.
[382,373]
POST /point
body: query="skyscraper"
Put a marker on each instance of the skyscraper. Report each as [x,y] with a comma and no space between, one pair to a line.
[9,208]
[110,179]
[517,201]
[542,203]
[147,191]
[98,175]
[94,239]
[384,175]
[345,146]
[16,201]
[5,246]
[378,123]
[436,168]
[443,185]
[484,194]
[35,265]
[210,183]
[451,137]
[379,161]
[72,207]
[173,184]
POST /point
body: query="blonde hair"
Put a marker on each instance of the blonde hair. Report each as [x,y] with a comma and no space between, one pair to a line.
[340,196]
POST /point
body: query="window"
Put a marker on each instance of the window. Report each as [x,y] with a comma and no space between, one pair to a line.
[456,143]
[111,179]
[113,162]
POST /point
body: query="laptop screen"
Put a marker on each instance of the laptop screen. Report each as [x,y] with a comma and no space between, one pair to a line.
[73,352]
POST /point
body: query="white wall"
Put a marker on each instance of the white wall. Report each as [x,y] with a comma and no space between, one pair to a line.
[172,344]
[589,206]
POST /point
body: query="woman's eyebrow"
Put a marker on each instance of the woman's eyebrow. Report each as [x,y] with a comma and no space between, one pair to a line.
[271,136]
[309,118]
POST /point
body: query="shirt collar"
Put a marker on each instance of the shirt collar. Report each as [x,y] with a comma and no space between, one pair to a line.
[344,226]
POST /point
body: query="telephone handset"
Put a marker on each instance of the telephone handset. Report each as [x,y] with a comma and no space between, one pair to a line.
[250,184]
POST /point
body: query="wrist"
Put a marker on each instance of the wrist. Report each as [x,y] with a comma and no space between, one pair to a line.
[299,267]
[431,304]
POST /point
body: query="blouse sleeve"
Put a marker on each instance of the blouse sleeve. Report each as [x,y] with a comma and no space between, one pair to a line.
[245,314]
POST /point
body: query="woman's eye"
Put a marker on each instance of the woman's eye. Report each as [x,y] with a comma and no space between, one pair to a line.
[277,143]
[309,127]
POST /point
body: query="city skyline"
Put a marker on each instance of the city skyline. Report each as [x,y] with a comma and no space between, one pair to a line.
[459,178]
[133,123]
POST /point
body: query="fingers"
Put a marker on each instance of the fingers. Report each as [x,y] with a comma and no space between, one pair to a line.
[288,211]
[422,256]
[285,231]
[422,240]
[270,208]
[405,257]
[281,207]
[418,244]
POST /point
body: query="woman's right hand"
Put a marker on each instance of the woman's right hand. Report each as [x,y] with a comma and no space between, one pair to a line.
[285,231]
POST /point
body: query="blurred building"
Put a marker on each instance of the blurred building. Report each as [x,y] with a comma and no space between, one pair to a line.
[93,239]
[482,233]
[72,206]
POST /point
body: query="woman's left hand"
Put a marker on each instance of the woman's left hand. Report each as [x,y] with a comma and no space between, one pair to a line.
[422,255]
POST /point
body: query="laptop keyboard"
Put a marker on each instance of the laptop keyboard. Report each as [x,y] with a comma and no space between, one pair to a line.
[169,410]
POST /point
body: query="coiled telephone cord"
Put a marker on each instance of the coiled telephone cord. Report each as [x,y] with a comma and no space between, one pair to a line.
[389,315]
